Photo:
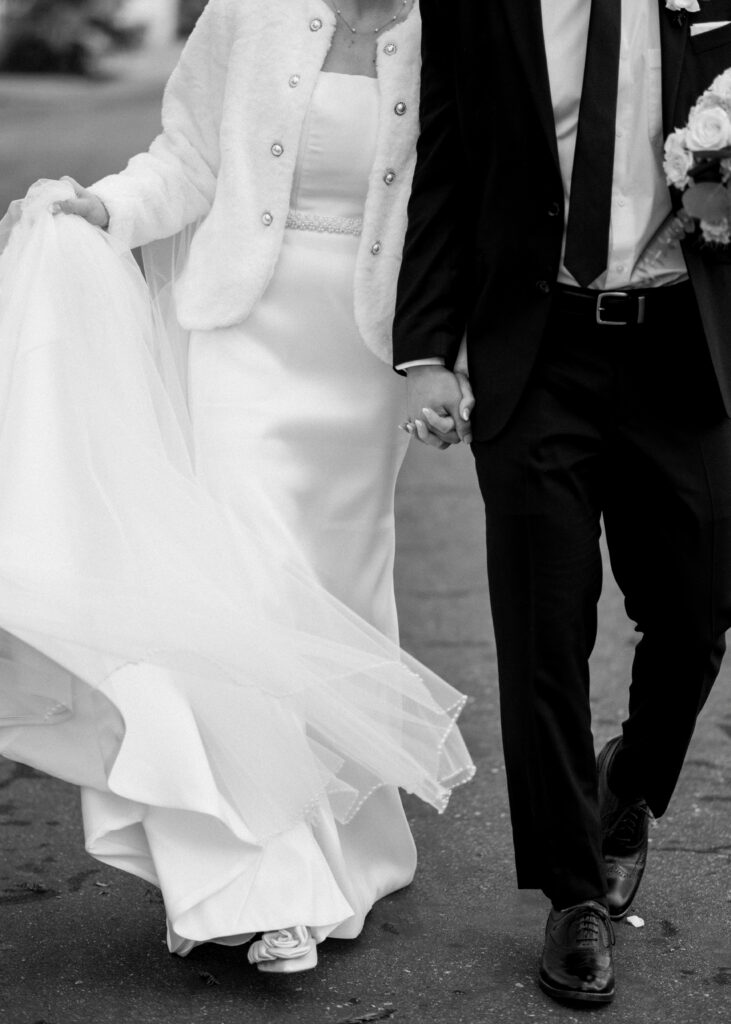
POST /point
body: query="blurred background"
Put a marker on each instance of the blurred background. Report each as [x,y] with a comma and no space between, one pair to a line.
[80,84]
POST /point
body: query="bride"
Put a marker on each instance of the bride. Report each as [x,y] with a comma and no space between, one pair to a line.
[196,519]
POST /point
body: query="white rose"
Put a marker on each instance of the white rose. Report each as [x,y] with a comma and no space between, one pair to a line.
[717,234]
[712,100]
[683,5]
[678,160]
[709,128]
[721,85]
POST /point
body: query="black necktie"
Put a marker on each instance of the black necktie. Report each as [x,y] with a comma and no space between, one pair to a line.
[590,202]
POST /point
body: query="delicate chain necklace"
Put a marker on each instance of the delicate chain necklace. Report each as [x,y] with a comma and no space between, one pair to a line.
[370,31]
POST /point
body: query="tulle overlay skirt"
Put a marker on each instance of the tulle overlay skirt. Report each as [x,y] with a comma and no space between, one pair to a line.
[172,654]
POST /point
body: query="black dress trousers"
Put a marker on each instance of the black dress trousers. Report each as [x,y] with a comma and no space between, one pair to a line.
[623,423]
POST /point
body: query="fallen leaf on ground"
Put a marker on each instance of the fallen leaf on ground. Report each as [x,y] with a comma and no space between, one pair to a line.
[635,921]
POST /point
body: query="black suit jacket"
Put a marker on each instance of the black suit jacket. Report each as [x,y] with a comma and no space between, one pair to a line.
[486,216]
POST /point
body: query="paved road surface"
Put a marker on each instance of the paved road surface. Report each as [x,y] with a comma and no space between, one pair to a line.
[81,944]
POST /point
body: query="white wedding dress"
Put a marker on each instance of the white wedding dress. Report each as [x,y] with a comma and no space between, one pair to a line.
[210,653]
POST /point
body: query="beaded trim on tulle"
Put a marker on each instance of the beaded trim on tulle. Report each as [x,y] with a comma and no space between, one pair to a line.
[309,813]
[325,225]
[56,711]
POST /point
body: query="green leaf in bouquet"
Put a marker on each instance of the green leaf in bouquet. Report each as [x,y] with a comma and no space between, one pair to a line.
[707,201]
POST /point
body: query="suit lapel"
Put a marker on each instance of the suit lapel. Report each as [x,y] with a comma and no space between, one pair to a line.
[673,40]
[526,26]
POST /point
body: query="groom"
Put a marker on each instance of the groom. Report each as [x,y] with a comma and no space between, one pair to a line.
[602,380]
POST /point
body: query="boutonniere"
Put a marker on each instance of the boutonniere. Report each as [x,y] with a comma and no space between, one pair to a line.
[682,8]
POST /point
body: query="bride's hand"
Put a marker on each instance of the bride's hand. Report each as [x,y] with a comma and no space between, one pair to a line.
[84,204]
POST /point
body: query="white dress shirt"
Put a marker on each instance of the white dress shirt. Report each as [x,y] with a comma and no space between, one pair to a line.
[640,197]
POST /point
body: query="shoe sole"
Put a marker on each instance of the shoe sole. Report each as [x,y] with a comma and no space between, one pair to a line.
[562,995]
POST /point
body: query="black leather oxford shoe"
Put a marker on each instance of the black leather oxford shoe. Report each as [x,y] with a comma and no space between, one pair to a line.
[578,961]
[625,827]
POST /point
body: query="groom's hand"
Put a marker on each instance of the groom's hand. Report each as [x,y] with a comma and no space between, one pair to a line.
[439,406]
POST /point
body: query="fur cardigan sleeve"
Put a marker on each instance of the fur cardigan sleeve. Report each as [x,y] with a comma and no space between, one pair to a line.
[174,183]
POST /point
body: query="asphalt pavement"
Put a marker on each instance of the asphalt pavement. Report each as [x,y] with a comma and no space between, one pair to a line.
[83,944]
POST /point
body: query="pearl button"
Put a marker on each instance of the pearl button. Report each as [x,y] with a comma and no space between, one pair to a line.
[375,248]
[390,49]
[277,149]
[621,202]
[400,108]
[315,25]
[294,81]
[267,219]
[389,177]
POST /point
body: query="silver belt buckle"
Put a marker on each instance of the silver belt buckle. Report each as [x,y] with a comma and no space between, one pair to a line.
[618,323]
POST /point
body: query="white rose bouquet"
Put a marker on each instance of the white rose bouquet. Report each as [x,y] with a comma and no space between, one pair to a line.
[698,163]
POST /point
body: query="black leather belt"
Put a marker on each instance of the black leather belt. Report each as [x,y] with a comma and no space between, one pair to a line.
[621,308]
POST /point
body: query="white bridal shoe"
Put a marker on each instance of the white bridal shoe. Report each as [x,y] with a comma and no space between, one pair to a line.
[285,951]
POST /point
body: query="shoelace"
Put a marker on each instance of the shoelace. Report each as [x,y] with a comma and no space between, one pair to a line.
[589,927]
[629,827]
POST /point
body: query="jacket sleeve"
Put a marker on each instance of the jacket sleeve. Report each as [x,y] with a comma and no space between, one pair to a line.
[431,301]
[174,183]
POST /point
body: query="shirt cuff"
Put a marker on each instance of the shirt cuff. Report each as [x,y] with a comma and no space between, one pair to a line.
[431,361]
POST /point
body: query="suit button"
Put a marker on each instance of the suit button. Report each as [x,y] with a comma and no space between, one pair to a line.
[267,219]
[400,108]
[294,81]
[277,149]
[389,177]
[543,286]
[375,248]
[389,49]
[315,25]
[553,210]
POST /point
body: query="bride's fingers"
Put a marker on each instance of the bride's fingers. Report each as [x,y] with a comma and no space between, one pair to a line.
[66,206]
[81,207]
[89,207]
[428,438]
[441,424]
[78,189]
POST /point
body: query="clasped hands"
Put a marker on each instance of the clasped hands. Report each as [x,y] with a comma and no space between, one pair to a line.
[439,405]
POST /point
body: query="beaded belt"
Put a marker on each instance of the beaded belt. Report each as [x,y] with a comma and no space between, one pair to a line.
[325,225]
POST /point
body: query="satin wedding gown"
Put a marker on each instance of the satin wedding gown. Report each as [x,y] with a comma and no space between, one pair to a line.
[197,613]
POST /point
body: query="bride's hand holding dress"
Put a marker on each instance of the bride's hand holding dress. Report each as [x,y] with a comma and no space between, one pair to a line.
[84,204]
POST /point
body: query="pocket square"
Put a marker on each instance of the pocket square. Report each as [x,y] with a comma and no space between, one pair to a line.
[699,27]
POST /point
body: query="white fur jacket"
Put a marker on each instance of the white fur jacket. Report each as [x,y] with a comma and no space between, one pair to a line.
[232,116]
